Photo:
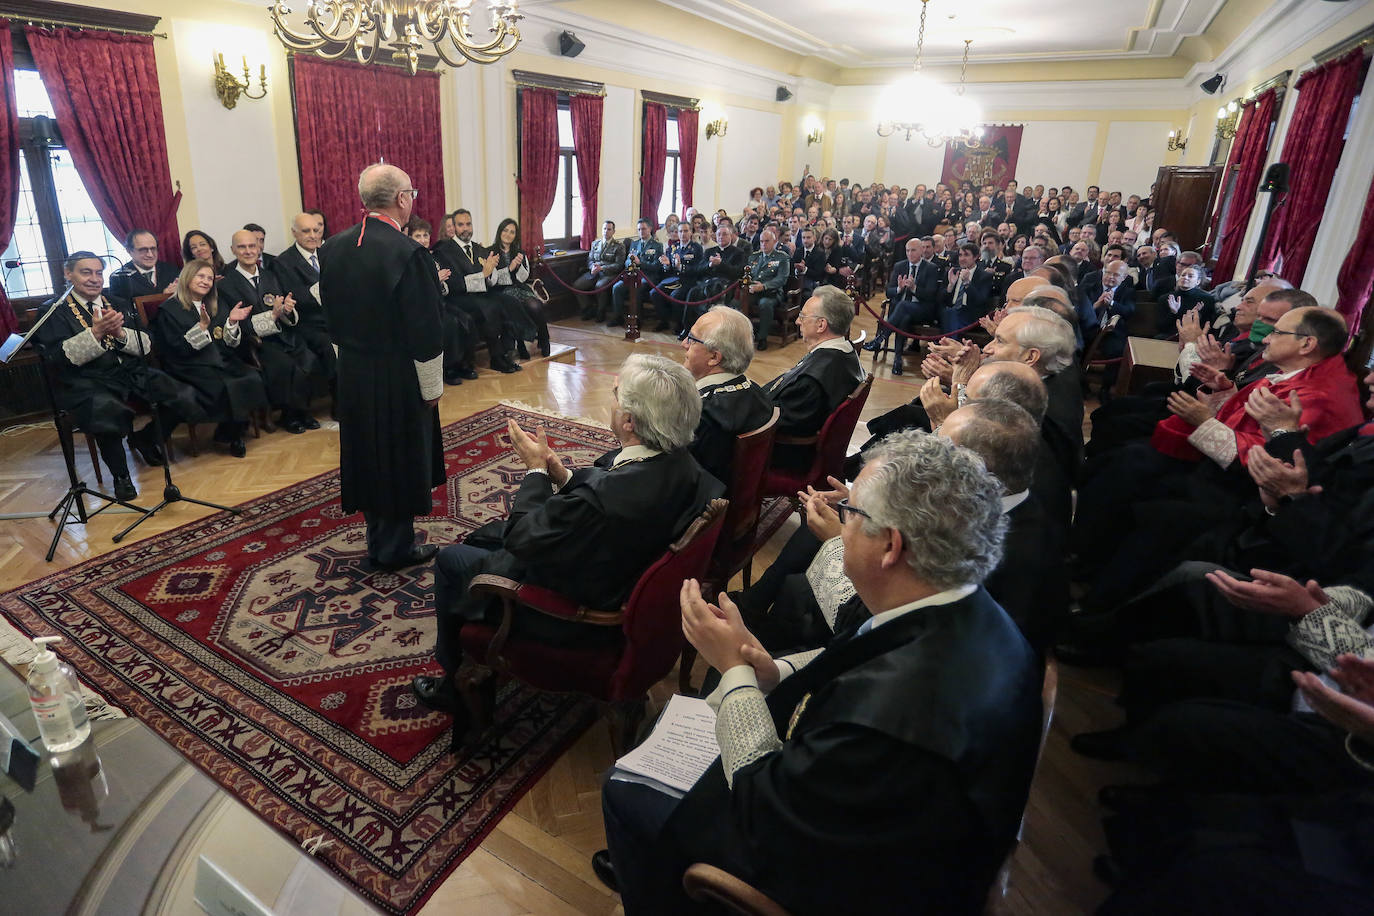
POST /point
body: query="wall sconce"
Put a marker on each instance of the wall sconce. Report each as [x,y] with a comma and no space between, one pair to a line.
[229,87]
[1176,142]
[815,136]
[1228,116]
[717,128]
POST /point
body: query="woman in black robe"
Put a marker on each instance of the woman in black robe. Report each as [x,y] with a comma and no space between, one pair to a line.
[511,279]
[199,343]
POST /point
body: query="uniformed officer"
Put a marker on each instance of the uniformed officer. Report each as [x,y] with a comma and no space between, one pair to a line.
[603,265]
[683,263]
[990,257]
[769,270]
[644,255]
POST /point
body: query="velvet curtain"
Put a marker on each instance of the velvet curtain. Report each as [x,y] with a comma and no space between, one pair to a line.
[687,120]
[1247,156]
[349,116]
[9,172]
[538,164]
[1355,281]
[654,161]
[1312,148]
[104,91]
[586,127]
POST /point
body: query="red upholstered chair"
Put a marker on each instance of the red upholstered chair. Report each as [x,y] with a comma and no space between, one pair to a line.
[831,444]
[618,675]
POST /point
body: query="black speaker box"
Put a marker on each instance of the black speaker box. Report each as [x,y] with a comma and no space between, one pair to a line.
[568,44]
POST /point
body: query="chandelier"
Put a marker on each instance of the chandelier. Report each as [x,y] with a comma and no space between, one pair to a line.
[916,104]
[407,28]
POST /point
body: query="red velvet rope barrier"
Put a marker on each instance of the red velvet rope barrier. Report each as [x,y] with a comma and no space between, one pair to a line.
[626,273]
[717,296]
[907,334]
[572,289]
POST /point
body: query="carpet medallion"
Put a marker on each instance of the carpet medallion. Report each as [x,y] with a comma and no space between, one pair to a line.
[263,648]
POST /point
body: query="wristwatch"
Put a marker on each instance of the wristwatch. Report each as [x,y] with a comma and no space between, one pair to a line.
[1278,431]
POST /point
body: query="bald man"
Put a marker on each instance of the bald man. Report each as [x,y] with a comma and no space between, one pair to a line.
[287,362]
[1016,292]
[298,267]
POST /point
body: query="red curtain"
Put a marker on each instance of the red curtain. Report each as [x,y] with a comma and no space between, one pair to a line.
[687,151]
[586,127]
[1356,280]
[1247,157]
[349,116]
[1312,148]
[654,161]
[104,91]
[9,172]
[538,164]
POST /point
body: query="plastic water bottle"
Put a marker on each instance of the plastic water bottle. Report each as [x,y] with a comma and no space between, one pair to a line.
[56,698]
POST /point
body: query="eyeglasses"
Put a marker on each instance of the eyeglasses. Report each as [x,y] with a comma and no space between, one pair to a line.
[413,192]
[1288,333]
[812,317]
[843,506]
[149,249]
[689,336]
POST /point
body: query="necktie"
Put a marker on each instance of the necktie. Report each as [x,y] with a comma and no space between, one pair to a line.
[467,252]
[315,262]
[911,272]
[256,287]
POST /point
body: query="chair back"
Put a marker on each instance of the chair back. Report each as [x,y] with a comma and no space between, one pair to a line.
[1090,354]
[652,620]
[147,308]
[706,883]
[753,451]
[833,440]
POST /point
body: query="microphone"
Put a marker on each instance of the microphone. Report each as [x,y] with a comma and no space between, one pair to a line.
[12,263]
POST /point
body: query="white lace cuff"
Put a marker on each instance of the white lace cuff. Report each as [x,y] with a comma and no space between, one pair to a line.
[522,273]
[197,337]
[830,585]
[81,348]
[1187,358]
[431,375]
[1334,628]
[500,277]
[1216,440]
[232,334]
[475,283]
[744,726]
[264,325]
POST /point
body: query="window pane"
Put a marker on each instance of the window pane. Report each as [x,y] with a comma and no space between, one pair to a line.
[81,224]
[29,94]
[554,227]
[574,192]
[33,277]
[565,134]
[672,135]
[672,181]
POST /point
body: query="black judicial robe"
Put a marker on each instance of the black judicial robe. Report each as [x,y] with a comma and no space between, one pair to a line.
[906,762]
[384,308]
[128,283]
[807,393]
[96,392]
[728,410]
[287,362]
[226,387]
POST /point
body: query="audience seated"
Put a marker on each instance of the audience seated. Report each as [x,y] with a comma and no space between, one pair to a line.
[604,262]
[145,274]
[717,350]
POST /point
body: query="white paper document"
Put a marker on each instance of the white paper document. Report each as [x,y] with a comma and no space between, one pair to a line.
[681,747]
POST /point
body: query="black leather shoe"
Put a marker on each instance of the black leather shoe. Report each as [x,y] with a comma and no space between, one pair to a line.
[605,871]
[237,448]
[1103,745]
[293,426]
[436,693]
[421,554]
[896,370]
[124,489]
[467,372]
[145,443]
[309,422]
[760,345]
[544,347]
[522,351]
[500,365]
[453,379]
[873,345]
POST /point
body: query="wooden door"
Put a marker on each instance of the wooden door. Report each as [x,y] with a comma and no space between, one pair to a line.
[1183,199]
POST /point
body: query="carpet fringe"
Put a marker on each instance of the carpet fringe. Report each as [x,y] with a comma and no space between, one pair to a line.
[18,650]
[544,411]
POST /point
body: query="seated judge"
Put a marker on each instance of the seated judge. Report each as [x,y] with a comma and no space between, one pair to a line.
[590,533]
[717,351]
[196,340]
[145,275]
[821,380]
[885,773]
[470,295]
[603,266]
[298,267]
[101,364]
[287,362]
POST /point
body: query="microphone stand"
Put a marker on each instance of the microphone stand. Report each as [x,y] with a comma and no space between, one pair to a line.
[170,492]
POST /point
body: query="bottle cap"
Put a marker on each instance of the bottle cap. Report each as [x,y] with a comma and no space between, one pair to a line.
[46,659]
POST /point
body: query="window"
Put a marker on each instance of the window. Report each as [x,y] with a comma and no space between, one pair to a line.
[55,215]
[564,221]
[672,173]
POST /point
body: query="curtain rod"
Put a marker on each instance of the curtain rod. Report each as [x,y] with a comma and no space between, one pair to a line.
[1361,39]
[672,101]
[528,79]
[62,23]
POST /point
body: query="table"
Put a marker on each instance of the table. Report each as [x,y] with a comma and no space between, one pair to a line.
[1145,360]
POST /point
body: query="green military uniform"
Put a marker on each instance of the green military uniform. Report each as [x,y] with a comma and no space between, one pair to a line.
[648,251]
[773,271]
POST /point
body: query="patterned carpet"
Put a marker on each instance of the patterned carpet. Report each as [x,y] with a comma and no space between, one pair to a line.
[266,653]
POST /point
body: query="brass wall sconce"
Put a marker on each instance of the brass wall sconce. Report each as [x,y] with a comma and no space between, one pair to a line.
[1228,117]
[1176,142]
[716,128]
[815,136]
[229,87]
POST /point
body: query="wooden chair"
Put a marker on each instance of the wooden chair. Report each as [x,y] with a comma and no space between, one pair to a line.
[66,429]
[784,313]
[830,443]
[618,675]
[738,540]
[1103,332]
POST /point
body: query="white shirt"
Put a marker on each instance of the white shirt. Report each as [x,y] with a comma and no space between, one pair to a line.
[834,343]
[715,378]
[238,265]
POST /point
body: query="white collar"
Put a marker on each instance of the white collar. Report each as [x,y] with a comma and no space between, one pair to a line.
[634,453]
[238,265]
[83,300]
[1274,377]
[948,596]
[305,253]
[1012,500]
[834,343]
[716,378]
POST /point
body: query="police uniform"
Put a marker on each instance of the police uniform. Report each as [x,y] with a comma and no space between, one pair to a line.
[648,251]
[773,271]
[685,263]
[610,255]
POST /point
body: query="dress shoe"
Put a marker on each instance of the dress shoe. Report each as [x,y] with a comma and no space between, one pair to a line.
[544,347]
[1103,745]
[467,372]
[761,345]
[293,426]
[124,489]
[605,871]
[897,369]
[308,421]
[500,365]
[615,323]
[873,345]
[237,448]
[436,693]
[145,443]
[420,554]
[522,351]
[453,379]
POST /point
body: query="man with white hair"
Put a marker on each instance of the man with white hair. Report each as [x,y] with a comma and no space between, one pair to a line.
[717,350]
[589,533]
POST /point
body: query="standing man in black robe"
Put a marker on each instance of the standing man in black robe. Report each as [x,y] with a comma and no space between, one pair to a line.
[145,275]
[381,295]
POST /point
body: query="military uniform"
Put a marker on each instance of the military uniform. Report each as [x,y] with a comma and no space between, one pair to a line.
[773,271]
[685,264]
[610,255]
[713,279]
[648,251]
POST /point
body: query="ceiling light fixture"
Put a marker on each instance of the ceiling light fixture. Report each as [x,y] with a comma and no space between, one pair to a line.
[408,28]
[916,104]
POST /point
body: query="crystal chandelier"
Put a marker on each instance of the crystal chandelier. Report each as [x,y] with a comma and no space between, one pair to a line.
[916,104]
[407,28]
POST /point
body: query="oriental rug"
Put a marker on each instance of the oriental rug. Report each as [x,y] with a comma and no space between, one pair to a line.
[266,651]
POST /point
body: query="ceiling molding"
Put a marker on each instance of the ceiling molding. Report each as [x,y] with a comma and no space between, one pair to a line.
[1052,95]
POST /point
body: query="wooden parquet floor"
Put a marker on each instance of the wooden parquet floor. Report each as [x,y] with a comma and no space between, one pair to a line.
[537,860]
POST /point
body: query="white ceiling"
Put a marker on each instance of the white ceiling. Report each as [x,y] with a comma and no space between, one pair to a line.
[882,33]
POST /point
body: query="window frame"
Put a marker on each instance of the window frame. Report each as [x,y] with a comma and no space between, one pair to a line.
[672,166]
[567,164]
